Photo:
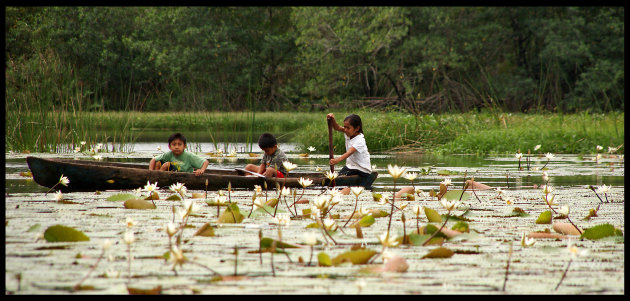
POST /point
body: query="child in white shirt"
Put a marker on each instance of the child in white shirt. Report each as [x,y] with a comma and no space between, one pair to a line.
[357,156]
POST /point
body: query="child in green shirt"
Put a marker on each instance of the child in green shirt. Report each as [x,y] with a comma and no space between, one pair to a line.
[177,159]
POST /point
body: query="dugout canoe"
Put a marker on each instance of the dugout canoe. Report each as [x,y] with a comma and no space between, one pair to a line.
[87,175]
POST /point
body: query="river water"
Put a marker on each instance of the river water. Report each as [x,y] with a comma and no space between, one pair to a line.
[478,266]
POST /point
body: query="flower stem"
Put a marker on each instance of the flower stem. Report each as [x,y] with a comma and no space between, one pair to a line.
[438,231]
[353,211]
[564,274]
[389,225]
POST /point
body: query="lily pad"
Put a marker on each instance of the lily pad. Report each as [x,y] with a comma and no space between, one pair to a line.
[355,257]
[601,231]
[519,212]
[324,260]
[154,196]
[138,204]
[432,215]
[231,215]
[461,227]
[197,195]
[566,228]
[365,221]
[120,197]
[454,195]
[544,218]
[266,242]
[59,233]
[440,252]
[174,197]
[206,230]
[419,239]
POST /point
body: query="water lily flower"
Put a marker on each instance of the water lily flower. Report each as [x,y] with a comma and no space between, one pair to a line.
[99,146]
[446,182]
[417,210]
[387,240]
[259,203]
[177,256]
[82,142]
[612,149]
[336,199]
[309,238]
[419,192]
[509,201]
[64,180]
[321,201]
[518,156]
[545,176]
[333,192]
[574,251]
[395,171]
[179,188]
[305,182]
[106,244]
[364,211]
[411,176]
[537,147]
[331,175]
[546,189]
[257,189]
[58,196]
[111,273]
[98,157]
[449,205]
[384,199]
[526,241]
[603,189]
[599,147]
[289,166]
[128,238]
[598,157]
[549,156]
[130,222]
[315,212]
[330,224]
[311,148]
[159,148]
[282,219]
[220,199]
[150,188]
[77,149]
[285,191]
[171,229]
[549,199]
[356,190]
[564,210]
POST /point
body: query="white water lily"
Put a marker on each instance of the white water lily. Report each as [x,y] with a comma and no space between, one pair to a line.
[305,182]
[332,175]
[419,192]
[612,150]
[449,205]
[526,241]
[356,190]
[411,176]
[315,212]
[159,148]
[177,256]
[64,180]
[130,222]
[82,142]
[388,240]
[178,187]
[311,149]
[598,157]
[220,199]
[111,273]
[564,210]
[599,147]
[309,238]
[549,156]
[574,251]
[603,189]
[509,201]
[384,199]
[321,201]
[150,188]
[417,210]
[546,189]
[518,156]
[333,192]
[171,229]
[77,149]
[395,171]
[330,224]
[282,219]
[98,157]
[446,182]
[537,147]
[545,176]
[364,211]
[190,206]
[549,199]
[106,244]
[129,238]
[257,189]
[335,200]
[58,196]
[286,191]
[259,203]
[289,166]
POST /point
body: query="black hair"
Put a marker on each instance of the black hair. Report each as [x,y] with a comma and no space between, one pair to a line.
[176,136]
[267,140]
[355,121]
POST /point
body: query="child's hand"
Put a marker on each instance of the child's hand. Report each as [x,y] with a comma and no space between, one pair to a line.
[199,172]
[330,116]
[333,161]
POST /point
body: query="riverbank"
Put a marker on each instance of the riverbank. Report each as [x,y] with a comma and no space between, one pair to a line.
[465,133]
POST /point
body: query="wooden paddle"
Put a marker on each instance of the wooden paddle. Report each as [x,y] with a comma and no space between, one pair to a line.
[330,144]
[242,171]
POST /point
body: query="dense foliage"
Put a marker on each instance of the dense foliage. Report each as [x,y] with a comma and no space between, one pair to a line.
[419,59]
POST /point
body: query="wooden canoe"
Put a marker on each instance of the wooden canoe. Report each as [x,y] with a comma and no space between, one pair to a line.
[87,175]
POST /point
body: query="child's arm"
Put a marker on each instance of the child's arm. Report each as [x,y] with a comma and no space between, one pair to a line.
[152,164]
[262,168]
[335,126]
[201,170]
[350,151]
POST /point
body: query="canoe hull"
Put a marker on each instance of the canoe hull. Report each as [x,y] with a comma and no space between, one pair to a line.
[94,175]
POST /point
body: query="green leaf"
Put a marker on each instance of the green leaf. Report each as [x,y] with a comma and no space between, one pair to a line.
[439,253]
[544,218]
[63,233]
[174,197]
[34,228]
[139,204]
[231,215]
[519,212]
[265,243]
[432,215]
[121,197]
[461,227]
[355,257]
[453,195]
[206,230]
[600,231]
[366,221]
[419,239]
[324,259]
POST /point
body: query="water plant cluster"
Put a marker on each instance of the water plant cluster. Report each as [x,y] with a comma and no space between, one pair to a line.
[327,227]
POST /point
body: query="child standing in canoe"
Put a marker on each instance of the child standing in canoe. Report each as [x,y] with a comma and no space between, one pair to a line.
[357,156]
[271,164]
[178,159]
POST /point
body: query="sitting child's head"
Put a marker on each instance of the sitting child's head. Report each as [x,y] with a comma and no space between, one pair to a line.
[267,142]
[177,143]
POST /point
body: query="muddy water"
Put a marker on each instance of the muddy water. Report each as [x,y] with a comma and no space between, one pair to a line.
[34,266]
